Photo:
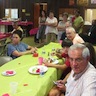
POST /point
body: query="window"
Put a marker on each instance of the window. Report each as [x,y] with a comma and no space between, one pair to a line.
[90,14]
[11,13]
[93,1]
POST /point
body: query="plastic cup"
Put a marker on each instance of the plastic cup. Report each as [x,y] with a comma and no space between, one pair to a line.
[40,60]
[60,41]
[42,72]
[13,87]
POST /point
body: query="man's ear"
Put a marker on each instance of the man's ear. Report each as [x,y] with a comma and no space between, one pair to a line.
[88,58]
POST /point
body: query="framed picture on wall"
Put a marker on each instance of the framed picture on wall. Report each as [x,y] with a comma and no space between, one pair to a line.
[71,2]
[93,1]
[83,2]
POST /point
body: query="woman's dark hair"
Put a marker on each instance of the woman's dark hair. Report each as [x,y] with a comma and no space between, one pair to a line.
[65,14]
[19,33]
[92,53]
[78,11]
[66,43]
[44,13]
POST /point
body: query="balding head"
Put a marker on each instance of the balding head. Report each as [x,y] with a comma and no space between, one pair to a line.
[70,33]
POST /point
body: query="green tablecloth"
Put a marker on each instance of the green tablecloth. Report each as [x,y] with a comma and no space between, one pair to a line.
[36,85]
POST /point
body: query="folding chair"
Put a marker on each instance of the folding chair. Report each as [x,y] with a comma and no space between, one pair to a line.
[4,59]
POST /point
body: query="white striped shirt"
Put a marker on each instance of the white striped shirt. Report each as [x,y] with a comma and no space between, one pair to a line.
[83,84]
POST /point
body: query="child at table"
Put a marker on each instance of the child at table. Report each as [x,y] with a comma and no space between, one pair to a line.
[63,53]
[65,67]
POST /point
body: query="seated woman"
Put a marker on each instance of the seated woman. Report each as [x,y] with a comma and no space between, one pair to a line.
[18,48]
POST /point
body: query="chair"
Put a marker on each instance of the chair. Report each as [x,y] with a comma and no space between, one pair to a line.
[3,41]
[33,31]
[24,33]
[4,59]
[2,49]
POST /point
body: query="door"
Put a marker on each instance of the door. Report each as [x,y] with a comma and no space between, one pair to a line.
[37,8]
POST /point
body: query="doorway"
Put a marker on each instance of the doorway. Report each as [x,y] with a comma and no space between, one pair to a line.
[90,14]
[38,7]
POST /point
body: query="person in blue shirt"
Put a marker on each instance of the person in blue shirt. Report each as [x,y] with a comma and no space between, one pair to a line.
[18,48]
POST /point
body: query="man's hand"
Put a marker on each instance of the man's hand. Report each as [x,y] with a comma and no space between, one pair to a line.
[61,85]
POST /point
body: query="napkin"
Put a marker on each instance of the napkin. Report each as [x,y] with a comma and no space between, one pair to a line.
[9,72]
[6,94]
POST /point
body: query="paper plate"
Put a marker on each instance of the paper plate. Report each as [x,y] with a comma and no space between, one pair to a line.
[38,69]
[9,73]
[55,62]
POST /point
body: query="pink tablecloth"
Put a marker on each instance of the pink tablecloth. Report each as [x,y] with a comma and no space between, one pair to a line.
[33,31]
[23,23]
[2,35]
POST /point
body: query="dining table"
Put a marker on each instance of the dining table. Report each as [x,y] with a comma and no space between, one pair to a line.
[4,35]
[30,84]
[6,26]
[21,23]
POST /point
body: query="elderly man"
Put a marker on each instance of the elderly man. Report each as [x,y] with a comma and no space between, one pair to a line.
[71,35]
[67,24]
[82,80]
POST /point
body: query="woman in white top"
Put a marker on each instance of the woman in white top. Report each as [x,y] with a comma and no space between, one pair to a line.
[61,26]
[51,28]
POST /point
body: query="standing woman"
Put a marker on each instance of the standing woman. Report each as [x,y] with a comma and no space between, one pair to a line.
[41,31]
[51,28]
[61,26]
[78,22]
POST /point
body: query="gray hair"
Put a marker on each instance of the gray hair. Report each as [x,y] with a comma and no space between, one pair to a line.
[68,23]
[71,29]
[85,50]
